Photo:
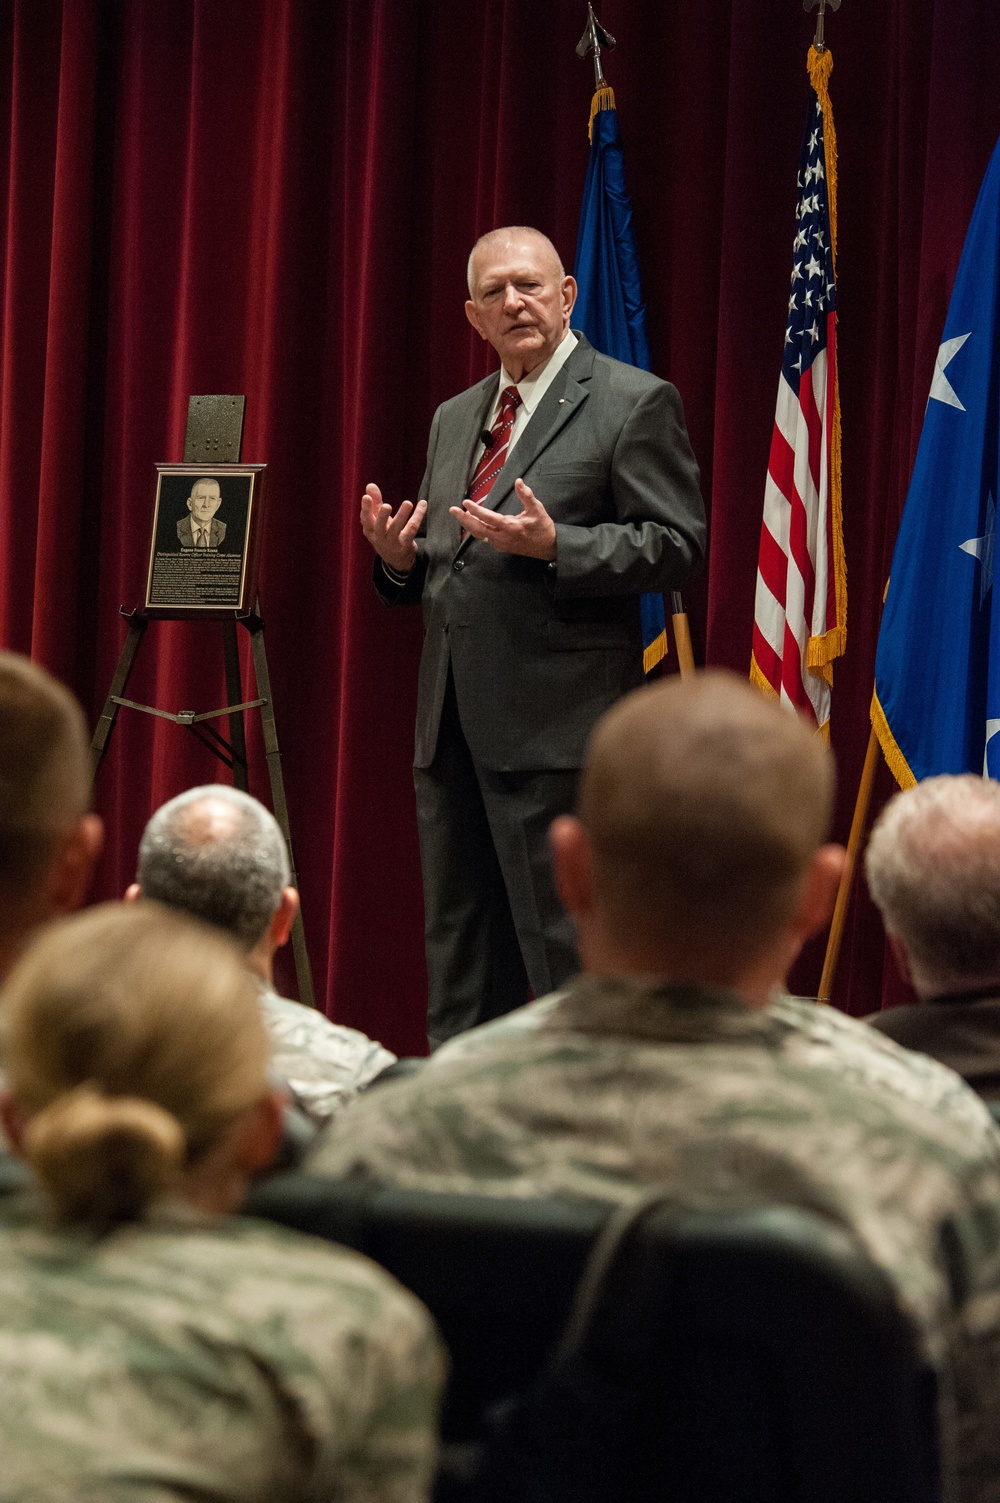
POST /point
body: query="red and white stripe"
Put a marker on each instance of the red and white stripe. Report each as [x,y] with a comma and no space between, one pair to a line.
[796,597]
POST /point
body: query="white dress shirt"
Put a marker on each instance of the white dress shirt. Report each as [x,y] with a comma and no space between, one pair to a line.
[531,391]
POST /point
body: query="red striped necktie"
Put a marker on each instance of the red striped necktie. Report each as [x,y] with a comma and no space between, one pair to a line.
[494,455]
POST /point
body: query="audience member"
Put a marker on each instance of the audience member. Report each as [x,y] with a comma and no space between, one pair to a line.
[150,1344]
[694,873]
[933,868]
[48,840]
[218,854]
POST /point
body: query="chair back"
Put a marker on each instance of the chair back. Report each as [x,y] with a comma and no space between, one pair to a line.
[701,1357]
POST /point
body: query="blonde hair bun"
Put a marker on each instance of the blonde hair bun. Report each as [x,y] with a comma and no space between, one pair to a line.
[104,1158]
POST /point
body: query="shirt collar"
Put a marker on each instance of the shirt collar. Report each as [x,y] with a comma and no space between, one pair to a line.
[656,1011]
[534,385]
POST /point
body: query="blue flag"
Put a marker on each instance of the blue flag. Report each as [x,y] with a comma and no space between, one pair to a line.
[936,706]
[609,307]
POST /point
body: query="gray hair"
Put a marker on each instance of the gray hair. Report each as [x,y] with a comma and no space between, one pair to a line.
[509,234]
[933,869]
[227,868]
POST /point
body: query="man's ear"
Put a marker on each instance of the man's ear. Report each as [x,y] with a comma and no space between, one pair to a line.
[572,863]
[257,1135]
[901,957]
[132,893]
[472,314]
[819,890]
[13,1122]
[73,864]
[569,291]
[284,918]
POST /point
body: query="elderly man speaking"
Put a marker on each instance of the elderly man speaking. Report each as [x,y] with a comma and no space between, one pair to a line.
[555,494]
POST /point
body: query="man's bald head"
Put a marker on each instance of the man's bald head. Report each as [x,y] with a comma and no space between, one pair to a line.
[218,854]
[44,769]
[511,237]
[704,803]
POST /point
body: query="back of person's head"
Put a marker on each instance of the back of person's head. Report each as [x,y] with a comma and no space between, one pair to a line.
[704,803]
[218,854]
[44,774]
[933,869]
[131,1041]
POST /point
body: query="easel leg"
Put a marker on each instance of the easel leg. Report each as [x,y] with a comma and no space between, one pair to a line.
[234,696]
[106,724]
[303,970]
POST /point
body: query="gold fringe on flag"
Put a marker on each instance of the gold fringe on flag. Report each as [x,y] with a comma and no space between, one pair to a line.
[821,651]
[757,677]
[655,652]
[766,687]
[895,761]
[604,99]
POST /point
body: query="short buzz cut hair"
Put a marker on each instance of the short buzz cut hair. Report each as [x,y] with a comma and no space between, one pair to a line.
[44,769]
[933,869]
[227,866]
[704,803]
[503,235]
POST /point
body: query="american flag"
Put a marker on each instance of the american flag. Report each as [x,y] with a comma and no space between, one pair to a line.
[800,610]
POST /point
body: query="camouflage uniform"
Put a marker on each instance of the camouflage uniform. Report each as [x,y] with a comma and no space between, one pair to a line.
[612,1086]
[324,1064]
[203,1359]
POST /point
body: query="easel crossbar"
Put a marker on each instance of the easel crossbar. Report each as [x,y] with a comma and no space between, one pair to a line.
[187,717]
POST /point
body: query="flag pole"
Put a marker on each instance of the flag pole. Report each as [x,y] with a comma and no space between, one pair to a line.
[682,634]
[595,36]
[858,824]
[807,5]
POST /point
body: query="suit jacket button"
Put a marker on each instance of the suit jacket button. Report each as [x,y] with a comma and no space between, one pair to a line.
[458,565]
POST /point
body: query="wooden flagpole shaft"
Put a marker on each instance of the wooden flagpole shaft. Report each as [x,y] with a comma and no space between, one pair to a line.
[847,880]
[682,635]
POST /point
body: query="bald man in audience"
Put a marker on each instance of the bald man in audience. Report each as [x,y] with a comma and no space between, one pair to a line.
[933,868]
[49,841]
[219,855]
[697,865]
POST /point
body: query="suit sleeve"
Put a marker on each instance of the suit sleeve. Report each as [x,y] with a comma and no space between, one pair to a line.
[410,590]
[658,535]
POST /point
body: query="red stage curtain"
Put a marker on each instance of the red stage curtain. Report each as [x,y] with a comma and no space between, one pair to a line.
[277,197]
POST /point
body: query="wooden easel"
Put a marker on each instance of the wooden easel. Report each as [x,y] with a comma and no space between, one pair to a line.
[215,434]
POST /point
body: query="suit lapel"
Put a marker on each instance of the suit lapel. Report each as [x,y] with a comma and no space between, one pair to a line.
[466,423]
[565,396]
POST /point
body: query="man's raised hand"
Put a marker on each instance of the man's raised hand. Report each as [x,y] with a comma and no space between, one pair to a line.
[394,537]
[532,533]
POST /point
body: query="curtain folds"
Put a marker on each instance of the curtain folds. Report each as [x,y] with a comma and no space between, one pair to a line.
[277,197]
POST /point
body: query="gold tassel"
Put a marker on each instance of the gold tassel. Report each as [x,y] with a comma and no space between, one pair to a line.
[820,66]
[604,99]
[820,651]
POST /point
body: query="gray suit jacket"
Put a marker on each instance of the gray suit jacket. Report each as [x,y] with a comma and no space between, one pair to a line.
[539,651]
[185,532]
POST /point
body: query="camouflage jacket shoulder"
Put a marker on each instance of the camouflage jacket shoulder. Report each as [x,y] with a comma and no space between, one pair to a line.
[323,1064]
[614,1086]
[189,1357]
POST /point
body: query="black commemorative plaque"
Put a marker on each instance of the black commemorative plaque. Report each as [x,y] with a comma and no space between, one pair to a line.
[204,550]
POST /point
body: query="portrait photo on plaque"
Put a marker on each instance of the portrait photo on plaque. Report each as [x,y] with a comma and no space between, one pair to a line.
[206,539]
